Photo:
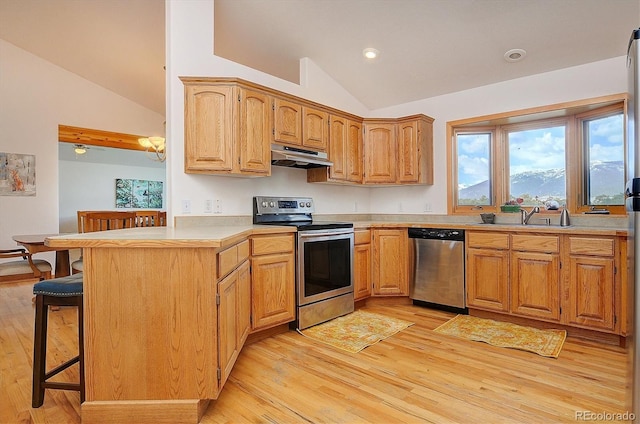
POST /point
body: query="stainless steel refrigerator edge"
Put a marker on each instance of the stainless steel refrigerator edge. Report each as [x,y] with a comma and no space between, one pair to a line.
[633,210]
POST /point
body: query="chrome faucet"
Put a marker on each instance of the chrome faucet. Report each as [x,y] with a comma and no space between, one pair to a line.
[526,216]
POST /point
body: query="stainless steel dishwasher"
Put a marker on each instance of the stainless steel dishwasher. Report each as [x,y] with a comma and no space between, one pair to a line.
[438,276]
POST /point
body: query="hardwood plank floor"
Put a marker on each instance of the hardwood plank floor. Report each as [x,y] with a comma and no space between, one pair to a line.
[414,376]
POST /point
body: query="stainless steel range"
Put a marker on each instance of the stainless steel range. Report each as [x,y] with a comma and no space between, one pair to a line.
[324,258]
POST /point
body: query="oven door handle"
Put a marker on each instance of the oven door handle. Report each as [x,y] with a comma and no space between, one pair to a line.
[331,233]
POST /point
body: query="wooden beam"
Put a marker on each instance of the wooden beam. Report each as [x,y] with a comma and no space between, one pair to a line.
[91,137]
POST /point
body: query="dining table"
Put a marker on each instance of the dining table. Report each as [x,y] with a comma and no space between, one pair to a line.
[34,243]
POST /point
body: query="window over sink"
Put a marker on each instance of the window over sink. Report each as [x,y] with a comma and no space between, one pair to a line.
[569,154]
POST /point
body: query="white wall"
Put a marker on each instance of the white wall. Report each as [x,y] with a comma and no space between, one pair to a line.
[35,97]
[576,83]
[190,53]
[86,186]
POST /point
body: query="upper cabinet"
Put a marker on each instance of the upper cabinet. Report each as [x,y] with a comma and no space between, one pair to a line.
[227,129]
[230,125]
[345,152]
[399,151]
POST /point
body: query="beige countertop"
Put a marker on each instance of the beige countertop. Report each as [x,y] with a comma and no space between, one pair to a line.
[205,236]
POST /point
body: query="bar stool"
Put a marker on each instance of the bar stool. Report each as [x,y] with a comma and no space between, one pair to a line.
[64,291]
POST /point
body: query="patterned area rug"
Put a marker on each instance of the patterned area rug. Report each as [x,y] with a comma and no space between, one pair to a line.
[504,334]
[355,331]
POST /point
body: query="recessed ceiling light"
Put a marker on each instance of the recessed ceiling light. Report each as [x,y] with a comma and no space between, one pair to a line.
[370,53]
[514,55]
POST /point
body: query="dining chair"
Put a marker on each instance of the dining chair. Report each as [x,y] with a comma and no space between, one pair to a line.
[89,221]
[23,269]
[147,218]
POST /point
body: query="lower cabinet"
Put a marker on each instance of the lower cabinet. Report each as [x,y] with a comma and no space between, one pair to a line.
[487,274]
[568,279]
[362,264]
[390,274]
[591,284]
[273,280]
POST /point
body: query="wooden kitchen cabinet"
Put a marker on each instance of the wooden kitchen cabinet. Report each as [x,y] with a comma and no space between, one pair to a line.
[380,164]
[315,128]
[362,264]
[272,280]
[345,152]
[233,300]
[592,283]
[227,129]
[399,151]
[487,271]
[415,150]
[287,122]
[390,248]
[535,276]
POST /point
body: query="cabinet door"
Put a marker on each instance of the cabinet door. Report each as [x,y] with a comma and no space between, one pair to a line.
[287,122]
[390,253]
[315,128]
[337,148]
[244,302]
[488,279]
[228,347]
[535,285]
[354,152]
[408,163]
[209,120]
[362,271]
[380,153]
[591,292]
[273,290]
[255,132]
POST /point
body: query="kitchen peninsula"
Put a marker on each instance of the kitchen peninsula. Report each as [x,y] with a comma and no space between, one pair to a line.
[166,311]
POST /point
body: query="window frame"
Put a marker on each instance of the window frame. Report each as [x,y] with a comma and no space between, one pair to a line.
[572,113]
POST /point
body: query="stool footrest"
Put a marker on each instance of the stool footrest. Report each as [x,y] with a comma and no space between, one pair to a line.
[59,385]
[61,368]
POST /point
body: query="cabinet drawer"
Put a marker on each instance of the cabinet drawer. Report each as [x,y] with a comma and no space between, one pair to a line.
[547,244]
[362,237]
[264,245]
[231,257]
[591,246]
[490,240]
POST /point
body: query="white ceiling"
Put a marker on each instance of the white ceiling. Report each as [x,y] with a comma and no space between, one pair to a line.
[428,47]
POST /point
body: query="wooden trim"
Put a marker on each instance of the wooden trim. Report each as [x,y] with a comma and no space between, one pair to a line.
[144,411]
[91,137]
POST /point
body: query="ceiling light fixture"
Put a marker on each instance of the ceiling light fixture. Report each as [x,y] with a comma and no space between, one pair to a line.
[80,149]
[155,146]
[514,55]
[370,53]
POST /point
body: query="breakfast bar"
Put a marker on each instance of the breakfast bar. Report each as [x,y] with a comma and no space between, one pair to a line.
[155,339]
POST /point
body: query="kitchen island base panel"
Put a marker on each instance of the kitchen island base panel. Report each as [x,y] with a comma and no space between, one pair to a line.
[183,411]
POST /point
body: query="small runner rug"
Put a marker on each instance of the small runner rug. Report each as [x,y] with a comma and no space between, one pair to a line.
[355,331]
[503,334]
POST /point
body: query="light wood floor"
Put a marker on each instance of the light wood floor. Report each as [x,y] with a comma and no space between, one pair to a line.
[414,376]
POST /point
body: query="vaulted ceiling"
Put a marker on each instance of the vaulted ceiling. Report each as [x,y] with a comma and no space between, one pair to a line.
[427,47]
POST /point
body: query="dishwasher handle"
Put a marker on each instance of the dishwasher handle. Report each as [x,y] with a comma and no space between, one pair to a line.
[436,234]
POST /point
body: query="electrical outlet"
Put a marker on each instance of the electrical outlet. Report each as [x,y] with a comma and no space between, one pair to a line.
[428,207]
[400,207]
[208,206]
[355,206]
[186,206]
[217,206]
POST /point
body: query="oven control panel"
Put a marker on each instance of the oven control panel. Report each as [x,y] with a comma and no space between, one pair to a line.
[277,205]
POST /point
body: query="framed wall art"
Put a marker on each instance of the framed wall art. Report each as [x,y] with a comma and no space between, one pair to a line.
[138,194]
[17,174]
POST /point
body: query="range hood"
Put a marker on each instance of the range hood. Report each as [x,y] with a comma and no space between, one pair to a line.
[297,158]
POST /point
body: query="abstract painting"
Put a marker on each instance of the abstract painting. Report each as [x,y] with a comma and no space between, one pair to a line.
[138,194]
[17,174]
